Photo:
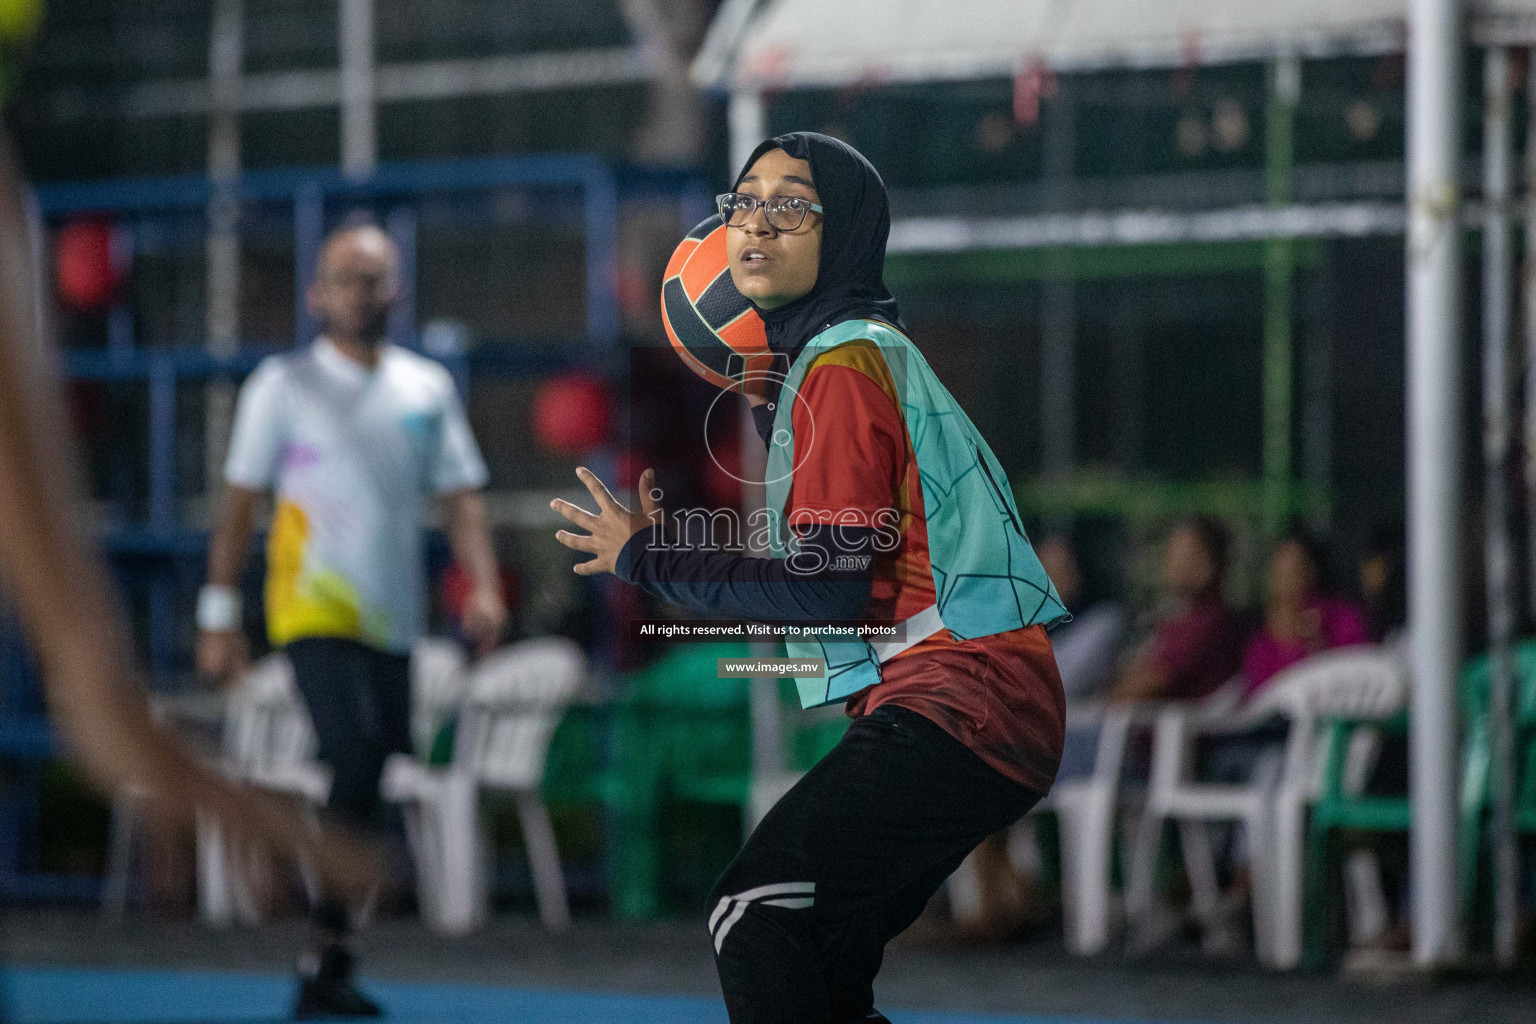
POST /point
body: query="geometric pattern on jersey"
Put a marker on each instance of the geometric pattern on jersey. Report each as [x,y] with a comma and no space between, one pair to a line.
[986,576]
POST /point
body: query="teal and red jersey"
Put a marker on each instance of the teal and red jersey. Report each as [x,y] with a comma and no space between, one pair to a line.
[1000,695]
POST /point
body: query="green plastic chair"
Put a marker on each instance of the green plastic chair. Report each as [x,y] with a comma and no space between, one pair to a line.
[679,734]
[1336,811]
[685,736]
[1477,776]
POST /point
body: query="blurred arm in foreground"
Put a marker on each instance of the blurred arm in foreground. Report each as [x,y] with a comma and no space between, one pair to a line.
[61,592]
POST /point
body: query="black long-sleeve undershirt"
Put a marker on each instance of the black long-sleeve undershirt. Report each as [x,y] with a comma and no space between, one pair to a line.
[716,582]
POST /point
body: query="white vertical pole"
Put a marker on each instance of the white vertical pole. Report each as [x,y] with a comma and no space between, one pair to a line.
[767,731]
[1529,325]
[226,49]
[747,120]
[1434,466]
[1498,148]
[359,127]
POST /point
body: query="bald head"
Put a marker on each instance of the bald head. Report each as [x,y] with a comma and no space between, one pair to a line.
[356,281]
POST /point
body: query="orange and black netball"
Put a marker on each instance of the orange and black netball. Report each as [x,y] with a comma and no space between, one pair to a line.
[711,325]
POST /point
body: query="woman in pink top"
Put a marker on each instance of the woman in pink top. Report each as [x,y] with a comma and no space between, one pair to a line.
[1300,619]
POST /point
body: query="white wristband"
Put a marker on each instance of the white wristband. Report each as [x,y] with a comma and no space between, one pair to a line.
[218,608]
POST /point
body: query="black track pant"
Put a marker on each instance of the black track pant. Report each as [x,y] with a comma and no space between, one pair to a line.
[359,699]
[845,862]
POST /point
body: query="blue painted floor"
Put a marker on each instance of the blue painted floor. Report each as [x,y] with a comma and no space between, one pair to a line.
[81,996]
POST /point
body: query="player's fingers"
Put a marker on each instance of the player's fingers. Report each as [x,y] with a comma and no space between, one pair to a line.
[576,541]
[605,500]
[347,864]
[588,568]
[647,486]
[575,513]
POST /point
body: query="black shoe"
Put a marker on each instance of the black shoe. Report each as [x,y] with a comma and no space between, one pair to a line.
[332,997]
[326,990]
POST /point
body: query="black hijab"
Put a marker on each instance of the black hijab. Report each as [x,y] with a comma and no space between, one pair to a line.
[850,283]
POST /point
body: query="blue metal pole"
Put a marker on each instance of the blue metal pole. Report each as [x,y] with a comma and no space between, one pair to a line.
[308,232]
[601,224]
[120,319]
[162,444]
[401,226]
[162,511]
[694,204]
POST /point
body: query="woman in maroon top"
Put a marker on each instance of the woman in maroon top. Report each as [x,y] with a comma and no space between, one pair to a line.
[1198,645]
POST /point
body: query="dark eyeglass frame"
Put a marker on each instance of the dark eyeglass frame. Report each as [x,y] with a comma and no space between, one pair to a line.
[745,206]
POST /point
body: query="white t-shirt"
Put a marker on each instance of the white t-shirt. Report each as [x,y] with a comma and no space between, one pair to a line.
[350,451]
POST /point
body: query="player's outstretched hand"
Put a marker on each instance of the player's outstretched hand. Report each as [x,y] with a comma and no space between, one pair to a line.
[346,864]
[106,722]
[611,527]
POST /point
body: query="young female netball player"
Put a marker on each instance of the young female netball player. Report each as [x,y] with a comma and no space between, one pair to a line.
[957,726]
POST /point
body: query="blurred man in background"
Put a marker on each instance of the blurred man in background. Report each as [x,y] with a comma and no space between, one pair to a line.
[349,432]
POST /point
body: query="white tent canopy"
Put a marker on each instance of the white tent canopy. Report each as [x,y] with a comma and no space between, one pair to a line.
[810,43]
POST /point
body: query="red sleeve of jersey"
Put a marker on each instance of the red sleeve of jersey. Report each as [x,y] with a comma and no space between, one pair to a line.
[857,448]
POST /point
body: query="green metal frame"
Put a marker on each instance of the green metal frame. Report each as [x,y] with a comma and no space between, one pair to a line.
[1279,268]
[1279,497]
[1091,263]
[1151,500]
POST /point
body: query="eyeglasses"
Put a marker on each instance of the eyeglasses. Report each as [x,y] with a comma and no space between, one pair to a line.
[784,213]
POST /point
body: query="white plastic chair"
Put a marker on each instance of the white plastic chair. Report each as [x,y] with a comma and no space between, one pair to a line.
[437,689]
[270,742]
[513,702]
[1360,681]
[123,830]
[1087,811]
[267,742]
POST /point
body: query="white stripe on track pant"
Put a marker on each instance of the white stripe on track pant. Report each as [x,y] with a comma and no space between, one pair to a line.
[794,896]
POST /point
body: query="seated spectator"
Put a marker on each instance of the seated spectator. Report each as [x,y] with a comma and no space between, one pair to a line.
[1198,641]
[1383,595]
[993,898]
[1195,646]
[1300,618]
[1087,646]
